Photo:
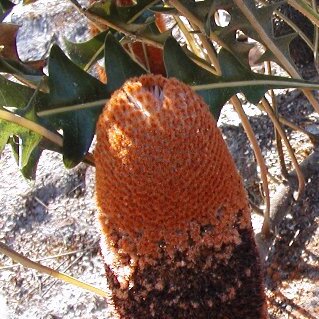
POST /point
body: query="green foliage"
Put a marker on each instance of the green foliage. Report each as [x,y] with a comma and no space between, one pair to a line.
[179,65]
[86,53]
[119,64]
[70,85]
[70,99]
[24,142]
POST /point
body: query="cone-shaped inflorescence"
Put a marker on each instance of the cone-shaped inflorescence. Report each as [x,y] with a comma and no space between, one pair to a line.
[176,229]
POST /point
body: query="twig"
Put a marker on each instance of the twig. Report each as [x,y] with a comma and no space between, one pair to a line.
[256,209]
[189,39]
[44,258]
[280,152]
[72,108]
[273,47]
[236,84]
[26,262]
[103,24]
[39,129]
[272,115]
[64,270]
[32,126]
[260,160]
[195,21]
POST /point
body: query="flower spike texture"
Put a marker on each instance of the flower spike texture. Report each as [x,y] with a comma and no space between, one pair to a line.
[176,230]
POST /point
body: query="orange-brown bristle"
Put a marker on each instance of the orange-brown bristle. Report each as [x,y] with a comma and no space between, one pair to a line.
[163,172]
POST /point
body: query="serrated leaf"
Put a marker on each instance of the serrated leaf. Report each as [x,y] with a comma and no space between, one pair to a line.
[179,65]
[233,71]
[24,142]
[70,85]
[24,148]
[7,129]
[118,64]
[85,52]
[30,169]
[25,101]
[285,43]
[27,152]
[262,17]
[234,79]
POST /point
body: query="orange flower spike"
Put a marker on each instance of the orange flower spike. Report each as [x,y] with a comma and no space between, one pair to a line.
[172,208]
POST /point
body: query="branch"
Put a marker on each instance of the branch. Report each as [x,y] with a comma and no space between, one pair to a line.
[195,21]
[260,160]
[272,116]
[26,262]
[32,126]
[272,46]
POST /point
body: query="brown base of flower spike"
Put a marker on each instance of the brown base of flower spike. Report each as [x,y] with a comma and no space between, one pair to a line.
[176,231]
[206,288]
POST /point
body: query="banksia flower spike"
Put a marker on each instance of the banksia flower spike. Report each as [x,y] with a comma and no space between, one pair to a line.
[176,229]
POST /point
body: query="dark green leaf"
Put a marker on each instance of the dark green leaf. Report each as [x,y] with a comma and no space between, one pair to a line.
[29,170]
[233,80]
[118,64]
[70,85]
[179,65]
[263,17]
[85,52]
